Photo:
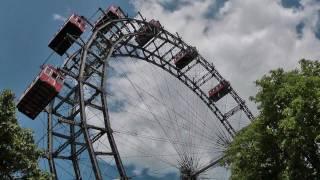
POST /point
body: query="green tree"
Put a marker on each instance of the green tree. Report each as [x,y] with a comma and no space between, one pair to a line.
[18,153]
[283,141]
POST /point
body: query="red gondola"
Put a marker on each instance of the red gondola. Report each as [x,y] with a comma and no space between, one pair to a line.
[147,32]
[41,91]
[184,57]
[113,12]
[74,26]
[219,90]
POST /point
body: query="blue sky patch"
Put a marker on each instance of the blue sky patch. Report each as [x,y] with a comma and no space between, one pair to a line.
[116,105]
[317,27]
[146,174]
[174,5]
[291,4]
[214,8]
[299,29]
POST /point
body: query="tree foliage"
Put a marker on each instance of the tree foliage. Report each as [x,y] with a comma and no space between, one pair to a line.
[284,140]
[18,153]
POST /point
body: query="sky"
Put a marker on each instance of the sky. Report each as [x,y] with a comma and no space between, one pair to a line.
[244,39]
[27,28]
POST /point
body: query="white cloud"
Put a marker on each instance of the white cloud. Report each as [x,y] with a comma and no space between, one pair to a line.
[247,40]
[137,172]
[251,38]
[58,17]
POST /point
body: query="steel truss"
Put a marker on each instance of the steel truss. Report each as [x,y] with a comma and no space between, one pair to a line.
[115,38]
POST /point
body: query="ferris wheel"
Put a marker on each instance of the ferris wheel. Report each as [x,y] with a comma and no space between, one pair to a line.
[131,100]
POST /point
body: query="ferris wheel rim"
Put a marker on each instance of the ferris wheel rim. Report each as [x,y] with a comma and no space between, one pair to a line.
[85,48]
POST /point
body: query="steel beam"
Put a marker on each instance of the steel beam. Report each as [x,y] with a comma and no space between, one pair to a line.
[52,166]
[93,158]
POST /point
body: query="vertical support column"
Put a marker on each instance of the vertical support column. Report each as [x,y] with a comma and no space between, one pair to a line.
[52,166]
[84,127]
[113,145]
[74,157]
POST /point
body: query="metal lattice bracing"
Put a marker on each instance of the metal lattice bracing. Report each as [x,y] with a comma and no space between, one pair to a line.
[116,38]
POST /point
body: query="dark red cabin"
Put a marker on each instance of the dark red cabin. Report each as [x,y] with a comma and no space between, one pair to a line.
[41,91]
[219,90]
[184,57]
[113,12]
[74,26]
[148,32]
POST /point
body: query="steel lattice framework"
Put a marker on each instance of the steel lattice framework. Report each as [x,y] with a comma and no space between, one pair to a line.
[115,39]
